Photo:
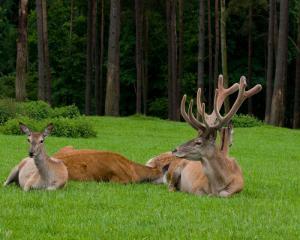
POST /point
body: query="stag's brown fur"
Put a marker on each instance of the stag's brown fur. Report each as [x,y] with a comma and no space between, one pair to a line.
[95,165]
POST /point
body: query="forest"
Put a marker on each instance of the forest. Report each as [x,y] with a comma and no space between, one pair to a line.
[121,58]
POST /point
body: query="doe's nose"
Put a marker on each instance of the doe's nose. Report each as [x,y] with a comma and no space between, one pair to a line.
[30,154]
[174,151]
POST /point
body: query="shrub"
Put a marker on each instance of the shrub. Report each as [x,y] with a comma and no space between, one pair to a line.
[7,110]
[66,112]
[63,127]
[159,108]
[37,110]
[245,121]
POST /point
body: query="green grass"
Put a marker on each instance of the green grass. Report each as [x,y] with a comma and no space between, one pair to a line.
[268,208]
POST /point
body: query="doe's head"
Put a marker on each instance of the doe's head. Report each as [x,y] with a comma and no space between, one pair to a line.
[36,139]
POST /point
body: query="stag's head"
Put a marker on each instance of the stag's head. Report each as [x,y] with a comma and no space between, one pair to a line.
[35,139]
[209,124]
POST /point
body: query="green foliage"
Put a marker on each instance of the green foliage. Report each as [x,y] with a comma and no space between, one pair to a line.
[245,121]
[36,110]
[7,83]
[70,111]
[63,127]
[7,110]
[159,108]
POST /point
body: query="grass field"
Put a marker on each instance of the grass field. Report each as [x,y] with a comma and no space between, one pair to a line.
[268,208]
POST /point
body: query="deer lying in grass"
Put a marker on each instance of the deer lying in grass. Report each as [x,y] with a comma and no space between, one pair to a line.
[217,173]
[95,165]
[39,171]
[186,175]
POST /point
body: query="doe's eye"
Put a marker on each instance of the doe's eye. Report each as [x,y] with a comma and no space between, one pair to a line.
[28,140]
[42,141]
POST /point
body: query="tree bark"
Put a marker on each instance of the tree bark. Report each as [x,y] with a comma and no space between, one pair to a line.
[217,43]
[270,62]
[224,50]
[201,45]
[145,68]
[21,66]
[139,53]
[90,49]
[44,83]
[99,86]
[278,99]
[250,53]
[296,119]
[113,64]
[180,43]
[210,59]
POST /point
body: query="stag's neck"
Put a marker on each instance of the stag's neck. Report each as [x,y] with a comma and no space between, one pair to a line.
[41,162]
[219,169]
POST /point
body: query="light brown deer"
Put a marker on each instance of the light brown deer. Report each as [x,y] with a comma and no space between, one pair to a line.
[39,171]
[186,175]
[96,165]
[216,174]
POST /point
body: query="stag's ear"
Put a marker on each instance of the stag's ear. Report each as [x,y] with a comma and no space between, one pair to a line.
[24,129]
[48,130]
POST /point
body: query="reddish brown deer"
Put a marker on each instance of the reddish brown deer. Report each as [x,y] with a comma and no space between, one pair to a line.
[39,171]
[216,174]
[96,165]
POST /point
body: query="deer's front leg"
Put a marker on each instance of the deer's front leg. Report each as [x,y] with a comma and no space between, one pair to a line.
[33,182]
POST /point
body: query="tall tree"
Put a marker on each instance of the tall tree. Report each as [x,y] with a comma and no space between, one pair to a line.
[173,95]
[296,119]
[217,42]
[44,84]
[278,99]
[210,57]
[113,64]
[201,44]
[139,53]
[99,84]
[21,67]
[224,50]
[270,61]
[250,53]
[145,68]
[91,45]
[180,42]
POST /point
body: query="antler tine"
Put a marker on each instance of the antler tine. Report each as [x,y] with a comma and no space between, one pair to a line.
[184,114]
[192,118]
[199,103]
[242,96]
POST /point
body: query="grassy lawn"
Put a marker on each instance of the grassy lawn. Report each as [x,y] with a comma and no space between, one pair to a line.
[268,208]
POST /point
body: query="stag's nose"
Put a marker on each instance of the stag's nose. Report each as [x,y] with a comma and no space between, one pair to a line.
[30,154]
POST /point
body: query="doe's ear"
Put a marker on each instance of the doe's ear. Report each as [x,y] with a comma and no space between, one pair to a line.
[48,129]
[24,129]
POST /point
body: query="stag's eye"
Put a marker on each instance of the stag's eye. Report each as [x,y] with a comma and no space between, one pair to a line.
[198,142]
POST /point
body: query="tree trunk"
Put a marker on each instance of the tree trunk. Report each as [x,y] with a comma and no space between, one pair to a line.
[296,120]
[217,43]
[270,63]
[201,45]
[145,68]
[210,56]
[99,86]
[224,50]
[139,53]
[173,95]
[90,49]
[180,43]
[21,67]
[250,52]
[44,83]
[46,54]
[278,99]
[113,63]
